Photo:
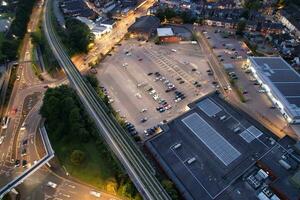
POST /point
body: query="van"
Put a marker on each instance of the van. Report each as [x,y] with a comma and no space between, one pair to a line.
[23,126]
[223,117]
[51,184]
[237,129]
[177,146]
[191,160]
[262,91]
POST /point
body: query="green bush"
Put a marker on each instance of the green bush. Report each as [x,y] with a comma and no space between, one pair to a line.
[77,157]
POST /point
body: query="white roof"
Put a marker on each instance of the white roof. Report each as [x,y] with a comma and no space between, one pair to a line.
[164,32]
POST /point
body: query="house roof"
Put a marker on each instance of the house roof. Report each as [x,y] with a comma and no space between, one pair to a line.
[162,32]
[144,24]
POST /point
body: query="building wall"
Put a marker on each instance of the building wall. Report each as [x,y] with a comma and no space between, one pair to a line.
[170,39]
[272,96]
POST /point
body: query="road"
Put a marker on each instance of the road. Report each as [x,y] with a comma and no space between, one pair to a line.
[104,44]
[123,146]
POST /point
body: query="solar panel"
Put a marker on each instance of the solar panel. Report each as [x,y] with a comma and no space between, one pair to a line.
[211,138]
[254,131]
[248,137]
[209,107]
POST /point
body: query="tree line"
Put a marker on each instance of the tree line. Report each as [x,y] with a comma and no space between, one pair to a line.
[67,122]
[17,30]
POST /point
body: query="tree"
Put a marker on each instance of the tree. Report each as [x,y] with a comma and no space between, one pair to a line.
[245,14]
[83,135]
[92,80]
[77,157]
[187,17]
[170,188]
[252,4]
[281,3]
[241,27]
[10,48]
[79,35]
[166,13]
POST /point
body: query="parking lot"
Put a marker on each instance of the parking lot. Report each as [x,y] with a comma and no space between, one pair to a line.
[149,83]
[257,102]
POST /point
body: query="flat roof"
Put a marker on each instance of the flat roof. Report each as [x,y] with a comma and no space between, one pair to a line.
[224,142]
[282,79]
[163,32]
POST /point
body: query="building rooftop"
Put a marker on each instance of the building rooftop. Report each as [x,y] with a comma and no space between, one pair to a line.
[282,80]
[211,147]
[108,22]
[144,24]
[163,32]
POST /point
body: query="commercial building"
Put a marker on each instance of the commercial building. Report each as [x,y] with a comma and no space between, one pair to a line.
[167,35]
[96,28]
[144,27]
[109,23]
[214,151]
[281,83]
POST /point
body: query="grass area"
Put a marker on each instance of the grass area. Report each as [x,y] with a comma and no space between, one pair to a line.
[2,38]
[238,91]
[12,79]
[78,146]
[95,170]
[253,48]
[6,15]
[36,69]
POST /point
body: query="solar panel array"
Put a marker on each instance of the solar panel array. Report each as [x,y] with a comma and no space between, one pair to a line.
[248,137]
[209,107]
[211,138]
[254,131]
[250,134]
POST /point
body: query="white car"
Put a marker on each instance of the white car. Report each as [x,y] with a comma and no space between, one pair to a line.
[23,126]
[1,139]
[262,91]
[144,110]
[51,184]
[95,194]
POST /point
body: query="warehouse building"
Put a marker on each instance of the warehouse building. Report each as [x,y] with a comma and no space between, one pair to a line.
[167,35]
[144,27]
[214,151]
[281,83]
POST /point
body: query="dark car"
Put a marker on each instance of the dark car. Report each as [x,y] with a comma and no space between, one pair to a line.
[193,70]
[24,163]
[133,133]
[17,163]
[149,74]
[171,89]
[25,142]
[24,152]
[181,82]
[143,120]
[179,79]
[131,129]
